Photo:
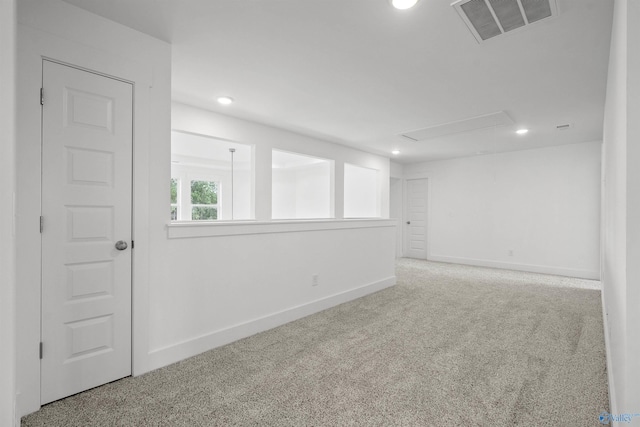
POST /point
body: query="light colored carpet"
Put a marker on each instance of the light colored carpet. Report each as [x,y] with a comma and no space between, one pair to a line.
[448,346]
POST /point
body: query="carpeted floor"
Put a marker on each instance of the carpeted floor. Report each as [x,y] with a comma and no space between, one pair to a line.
[448,346]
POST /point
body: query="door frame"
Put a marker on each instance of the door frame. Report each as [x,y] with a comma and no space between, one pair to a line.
[130,213]
[33,46]
[396,185]
[405,216]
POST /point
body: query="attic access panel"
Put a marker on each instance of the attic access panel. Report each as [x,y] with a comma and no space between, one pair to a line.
[500,118]
[490,18]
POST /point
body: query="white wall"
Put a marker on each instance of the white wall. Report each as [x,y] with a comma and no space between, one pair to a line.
[632,389]
[542,204]
[302,191]
[396,200]
[217,289]
[189,294]
[621,210]
[361,192]
[237,283]
[243,193]
[396,170]
[283,201]
[57,30]
[7,193]
[313,191]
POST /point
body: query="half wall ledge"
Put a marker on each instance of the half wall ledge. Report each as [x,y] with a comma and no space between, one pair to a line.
[195,229]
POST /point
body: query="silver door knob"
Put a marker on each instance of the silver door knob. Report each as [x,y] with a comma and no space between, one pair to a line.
[121,245]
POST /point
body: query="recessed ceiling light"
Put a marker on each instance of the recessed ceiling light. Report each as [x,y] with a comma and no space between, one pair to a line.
[403,4]
[396,152]
[225,100]
[522,131]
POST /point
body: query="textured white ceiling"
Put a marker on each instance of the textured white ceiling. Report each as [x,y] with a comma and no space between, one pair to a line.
[359,73]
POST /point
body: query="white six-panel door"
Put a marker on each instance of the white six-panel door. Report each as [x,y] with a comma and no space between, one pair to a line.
[416,224]
[86,209]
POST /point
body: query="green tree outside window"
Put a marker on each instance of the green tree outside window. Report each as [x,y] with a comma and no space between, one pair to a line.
[174,199]
[204,200]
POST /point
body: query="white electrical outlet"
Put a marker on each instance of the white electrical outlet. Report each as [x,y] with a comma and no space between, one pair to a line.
[314,280]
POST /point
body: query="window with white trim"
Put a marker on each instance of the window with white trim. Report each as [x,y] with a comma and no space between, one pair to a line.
[302,186]
[211,179]
[204,200]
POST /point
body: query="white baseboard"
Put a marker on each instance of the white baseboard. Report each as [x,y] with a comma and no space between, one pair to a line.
[189,348]
[613,406]
[532,268]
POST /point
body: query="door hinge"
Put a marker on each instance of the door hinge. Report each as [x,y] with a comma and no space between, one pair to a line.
[132,244]
[41,96]
[41,224]
[40,349]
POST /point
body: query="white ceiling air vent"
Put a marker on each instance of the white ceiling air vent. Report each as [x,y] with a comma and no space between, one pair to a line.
[489,18]
[564,126]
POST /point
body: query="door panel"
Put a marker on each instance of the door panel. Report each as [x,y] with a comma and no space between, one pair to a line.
[416,229]
[86,207]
